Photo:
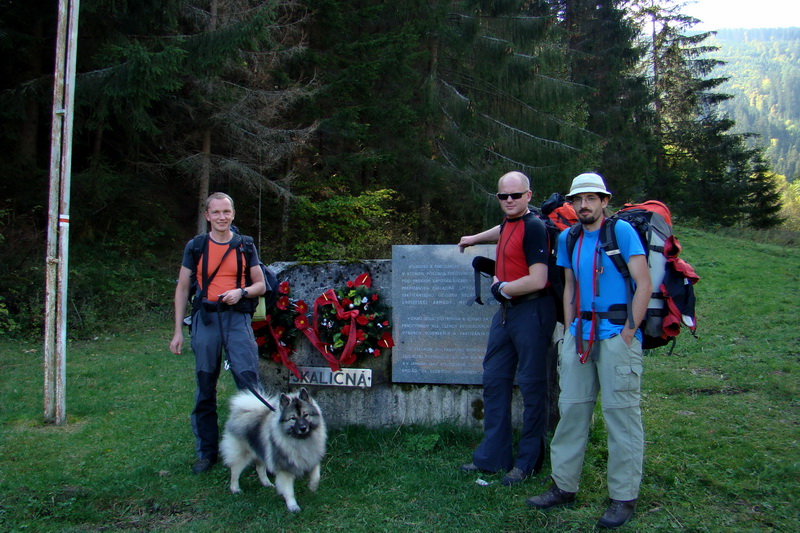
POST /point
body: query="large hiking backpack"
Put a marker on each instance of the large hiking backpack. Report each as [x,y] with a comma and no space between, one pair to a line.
[557,215]
[672,303]
[558,212]
[245,248]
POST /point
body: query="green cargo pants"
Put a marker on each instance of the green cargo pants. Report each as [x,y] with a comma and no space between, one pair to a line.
[616,369]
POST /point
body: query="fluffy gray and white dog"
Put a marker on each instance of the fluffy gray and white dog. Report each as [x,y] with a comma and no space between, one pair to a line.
[289,443]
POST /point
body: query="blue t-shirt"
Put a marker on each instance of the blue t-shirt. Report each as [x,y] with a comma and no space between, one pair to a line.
[610,282]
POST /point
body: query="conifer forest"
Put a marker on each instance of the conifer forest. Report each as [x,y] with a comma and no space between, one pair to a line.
[764,79]
[341,127]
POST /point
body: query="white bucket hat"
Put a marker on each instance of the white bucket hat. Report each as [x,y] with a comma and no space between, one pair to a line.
[588,182]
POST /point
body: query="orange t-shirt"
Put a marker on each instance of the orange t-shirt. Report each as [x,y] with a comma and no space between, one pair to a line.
[225,278]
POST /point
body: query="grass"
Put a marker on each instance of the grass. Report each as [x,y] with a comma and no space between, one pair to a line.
[722,420]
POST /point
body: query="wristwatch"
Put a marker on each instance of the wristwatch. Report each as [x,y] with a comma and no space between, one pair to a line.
[244,292]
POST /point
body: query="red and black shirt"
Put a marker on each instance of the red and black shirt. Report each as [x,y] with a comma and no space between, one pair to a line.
[523,242]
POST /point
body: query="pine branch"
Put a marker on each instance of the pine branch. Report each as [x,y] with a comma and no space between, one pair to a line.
[540,140]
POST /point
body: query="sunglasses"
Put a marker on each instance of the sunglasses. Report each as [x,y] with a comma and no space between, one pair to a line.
[503,196]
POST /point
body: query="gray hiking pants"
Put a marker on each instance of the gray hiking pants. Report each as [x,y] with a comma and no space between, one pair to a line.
[210,333]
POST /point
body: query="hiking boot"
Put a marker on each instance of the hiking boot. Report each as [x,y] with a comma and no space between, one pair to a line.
[203,465]
[552,498]
[617,514]
[515,475]
[470,467]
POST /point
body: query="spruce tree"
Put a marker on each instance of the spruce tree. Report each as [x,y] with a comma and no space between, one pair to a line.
[702,167]
[371,59]
[763,195]
[435,100]
[502,85]
[186,97]
[605,59]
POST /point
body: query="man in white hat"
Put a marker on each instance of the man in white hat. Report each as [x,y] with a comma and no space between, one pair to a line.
[599,353]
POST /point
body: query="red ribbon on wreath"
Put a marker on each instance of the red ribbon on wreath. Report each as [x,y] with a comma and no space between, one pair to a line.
[283,352]
[348,357]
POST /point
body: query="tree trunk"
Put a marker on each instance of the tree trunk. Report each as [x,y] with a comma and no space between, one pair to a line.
[204,187]
[205,182]
[657,107]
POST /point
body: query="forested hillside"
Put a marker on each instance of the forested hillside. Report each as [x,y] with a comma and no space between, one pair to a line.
[764,70]
[341,127]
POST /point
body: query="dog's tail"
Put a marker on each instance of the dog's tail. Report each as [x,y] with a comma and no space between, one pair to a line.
[245,402]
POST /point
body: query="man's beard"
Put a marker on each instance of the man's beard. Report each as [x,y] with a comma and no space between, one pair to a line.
[587,218]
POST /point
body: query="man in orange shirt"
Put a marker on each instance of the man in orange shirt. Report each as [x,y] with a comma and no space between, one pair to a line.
[218,323]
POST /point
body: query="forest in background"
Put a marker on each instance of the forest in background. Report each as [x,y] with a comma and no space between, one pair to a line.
[341,127]
[763,67]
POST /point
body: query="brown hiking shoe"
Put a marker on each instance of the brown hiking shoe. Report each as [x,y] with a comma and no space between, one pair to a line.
[203,465]
[515,475]
[470,467]
[617,514]
[552,498]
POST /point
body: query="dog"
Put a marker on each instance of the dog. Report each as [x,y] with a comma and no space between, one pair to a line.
[288,443]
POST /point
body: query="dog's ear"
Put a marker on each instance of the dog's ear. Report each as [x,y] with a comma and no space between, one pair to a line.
[304,394]
[285,401]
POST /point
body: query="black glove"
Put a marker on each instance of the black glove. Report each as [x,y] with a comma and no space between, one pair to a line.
[496,292]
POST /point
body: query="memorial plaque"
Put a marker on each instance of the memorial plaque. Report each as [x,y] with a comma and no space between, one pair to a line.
[440,333]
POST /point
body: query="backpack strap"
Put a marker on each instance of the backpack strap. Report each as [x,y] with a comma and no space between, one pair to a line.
[572,237]
[200,247]
[240,246]
[248,249]
[610,245]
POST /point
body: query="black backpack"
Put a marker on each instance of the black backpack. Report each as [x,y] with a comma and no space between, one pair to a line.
[557,214]
[245,248]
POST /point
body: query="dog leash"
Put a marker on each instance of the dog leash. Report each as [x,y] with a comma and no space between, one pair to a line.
[228,365]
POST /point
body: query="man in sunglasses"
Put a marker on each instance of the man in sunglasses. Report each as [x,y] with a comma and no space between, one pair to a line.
[519,336]
[599,352]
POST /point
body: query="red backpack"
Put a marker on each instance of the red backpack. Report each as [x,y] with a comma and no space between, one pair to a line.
[559,211]
[672,304]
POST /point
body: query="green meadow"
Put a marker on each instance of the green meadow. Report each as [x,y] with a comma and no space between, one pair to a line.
[722,421]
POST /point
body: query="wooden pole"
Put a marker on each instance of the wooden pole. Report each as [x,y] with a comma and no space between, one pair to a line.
[51,263]
[57,261]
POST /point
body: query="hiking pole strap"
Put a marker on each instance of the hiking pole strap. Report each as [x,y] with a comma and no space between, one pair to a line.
[478,287]
[481,265]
